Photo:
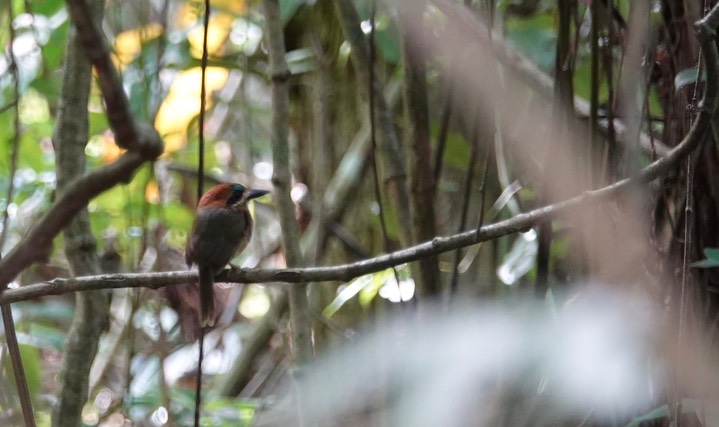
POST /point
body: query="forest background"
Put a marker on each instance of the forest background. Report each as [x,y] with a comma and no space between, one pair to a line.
[501,212]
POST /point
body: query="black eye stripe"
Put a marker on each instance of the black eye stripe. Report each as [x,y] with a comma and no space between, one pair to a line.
[236,196]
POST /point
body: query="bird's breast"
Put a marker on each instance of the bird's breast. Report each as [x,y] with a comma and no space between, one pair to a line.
[217,235]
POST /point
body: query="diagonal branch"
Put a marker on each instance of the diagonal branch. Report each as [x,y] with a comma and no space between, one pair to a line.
[143,142]
[37,243]
[707,33]
[126,130]
[436,246]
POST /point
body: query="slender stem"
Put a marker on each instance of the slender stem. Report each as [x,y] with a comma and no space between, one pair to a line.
[281,178]
[14,350]
[469,177]
[8,323]
[200,188]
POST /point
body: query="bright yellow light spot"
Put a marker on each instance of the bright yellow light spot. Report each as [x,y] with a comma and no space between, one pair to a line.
[152,193]
[128,43]
[217,32]
[223,14]
[109,151]
[255,303]
[182,104]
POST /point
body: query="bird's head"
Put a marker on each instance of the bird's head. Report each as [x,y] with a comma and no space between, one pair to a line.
[230,196]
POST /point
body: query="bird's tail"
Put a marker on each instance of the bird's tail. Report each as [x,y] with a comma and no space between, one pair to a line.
[207,297]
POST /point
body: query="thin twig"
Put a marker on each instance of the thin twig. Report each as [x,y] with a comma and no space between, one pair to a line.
[16,127]
[442,137]
[471,166]
[8,322]
[8,106]
[14,350]
[373,136]
[282,180]
[200,183]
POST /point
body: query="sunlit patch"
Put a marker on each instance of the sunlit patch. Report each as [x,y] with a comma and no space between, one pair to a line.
[298,192]
[220,24]
[182,104]
[160,416]
[366,26]
[520,259]
[255,302]
[247,35]
[262,170]
[223,152]
[34,107]
[152,193]
[404,292]
[104,399]
[128,44]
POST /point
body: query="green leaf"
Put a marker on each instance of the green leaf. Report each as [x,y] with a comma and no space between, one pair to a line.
[535,37]
[30,357]
[300,61]
[387,43]
[711,261]
[369,292]
[349,292]
[288,8]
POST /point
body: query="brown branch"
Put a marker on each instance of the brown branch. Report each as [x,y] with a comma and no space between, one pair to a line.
[8,323]
[143,140]
[126,130]
[528,72]
[91,308]
[281,179]
[436,246]
[37,244]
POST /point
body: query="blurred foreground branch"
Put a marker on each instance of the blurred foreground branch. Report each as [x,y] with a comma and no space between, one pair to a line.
[528,72]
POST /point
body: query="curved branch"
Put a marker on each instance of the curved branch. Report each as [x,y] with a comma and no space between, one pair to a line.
[37,243]
[143,141]
[128,135]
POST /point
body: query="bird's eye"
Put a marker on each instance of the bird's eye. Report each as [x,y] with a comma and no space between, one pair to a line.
[237,192]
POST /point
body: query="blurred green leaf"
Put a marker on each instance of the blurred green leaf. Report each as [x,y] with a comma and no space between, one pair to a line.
[288,8]
[47,336]
[30,357]
[456,150]
[369,292]
[535,37]
[50,311]
[301,61]
[47,7]
[346,294]
[711,260]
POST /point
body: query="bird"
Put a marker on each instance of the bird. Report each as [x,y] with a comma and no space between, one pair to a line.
[221,229]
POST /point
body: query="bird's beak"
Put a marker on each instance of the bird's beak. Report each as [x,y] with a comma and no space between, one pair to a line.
[253,194]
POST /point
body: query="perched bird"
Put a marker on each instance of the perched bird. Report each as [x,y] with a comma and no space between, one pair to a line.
[222,228]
